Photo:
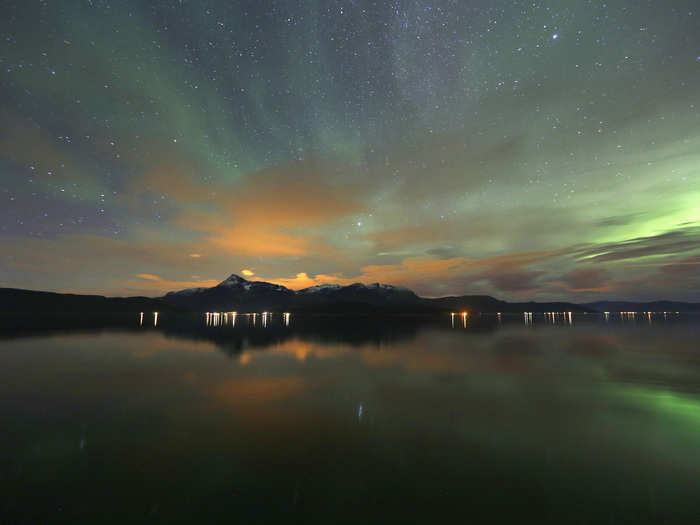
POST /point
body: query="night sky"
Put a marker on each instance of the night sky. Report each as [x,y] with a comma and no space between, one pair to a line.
[527,150]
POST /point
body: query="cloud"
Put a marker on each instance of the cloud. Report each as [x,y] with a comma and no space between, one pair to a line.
[100,264]
[279,211]
[514,281]
[302,280]
[670,243]
[619,220]
[149,284]
[149,277]
[683,273]
[588,280]
[26,143]
[426,275]
[248,273]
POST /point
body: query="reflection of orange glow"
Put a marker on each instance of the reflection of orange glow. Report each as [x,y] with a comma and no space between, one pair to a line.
[156,345]
[408,358]
[300,350]
[260,390]
[303,349]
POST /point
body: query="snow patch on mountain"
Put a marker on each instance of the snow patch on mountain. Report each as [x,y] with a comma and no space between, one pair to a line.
[187,291]
[320,288]
[234,280]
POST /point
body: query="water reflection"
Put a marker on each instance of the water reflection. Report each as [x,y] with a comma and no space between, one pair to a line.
[348,419]
[226,330]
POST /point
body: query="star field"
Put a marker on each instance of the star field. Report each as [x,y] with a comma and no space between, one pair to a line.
[545,150]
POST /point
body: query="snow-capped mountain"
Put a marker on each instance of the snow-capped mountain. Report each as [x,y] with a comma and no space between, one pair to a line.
[238,293]
[236,282]
[319,288]
[375,294]
[233,293]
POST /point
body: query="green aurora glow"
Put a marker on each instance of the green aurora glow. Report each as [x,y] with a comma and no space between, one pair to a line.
[545,151]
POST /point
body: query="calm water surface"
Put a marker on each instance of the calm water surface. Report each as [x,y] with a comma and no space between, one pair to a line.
[326,420]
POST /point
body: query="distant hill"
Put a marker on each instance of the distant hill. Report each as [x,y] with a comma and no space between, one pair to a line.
[13,300]
[654,306]
[239,294]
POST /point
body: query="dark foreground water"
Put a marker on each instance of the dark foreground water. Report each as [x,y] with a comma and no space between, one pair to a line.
[306,420]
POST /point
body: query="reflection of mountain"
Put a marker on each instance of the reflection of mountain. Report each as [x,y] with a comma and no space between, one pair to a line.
[232,340]
[327,330]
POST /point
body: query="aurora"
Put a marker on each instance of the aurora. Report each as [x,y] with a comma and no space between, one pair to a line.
[546,150]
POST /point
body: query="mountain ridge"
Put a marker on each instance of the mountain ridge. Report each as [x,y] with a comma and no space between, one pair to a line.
[236,293]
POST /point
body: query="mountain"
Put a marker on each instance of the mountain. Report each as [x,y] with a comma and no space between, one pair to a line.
[653,306]
[234,293]
[239,294]
[486,303]
[13,300]
[375,295]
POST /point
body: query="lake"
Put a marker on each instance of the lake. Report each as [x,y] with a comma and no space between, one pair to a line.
[493,419]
